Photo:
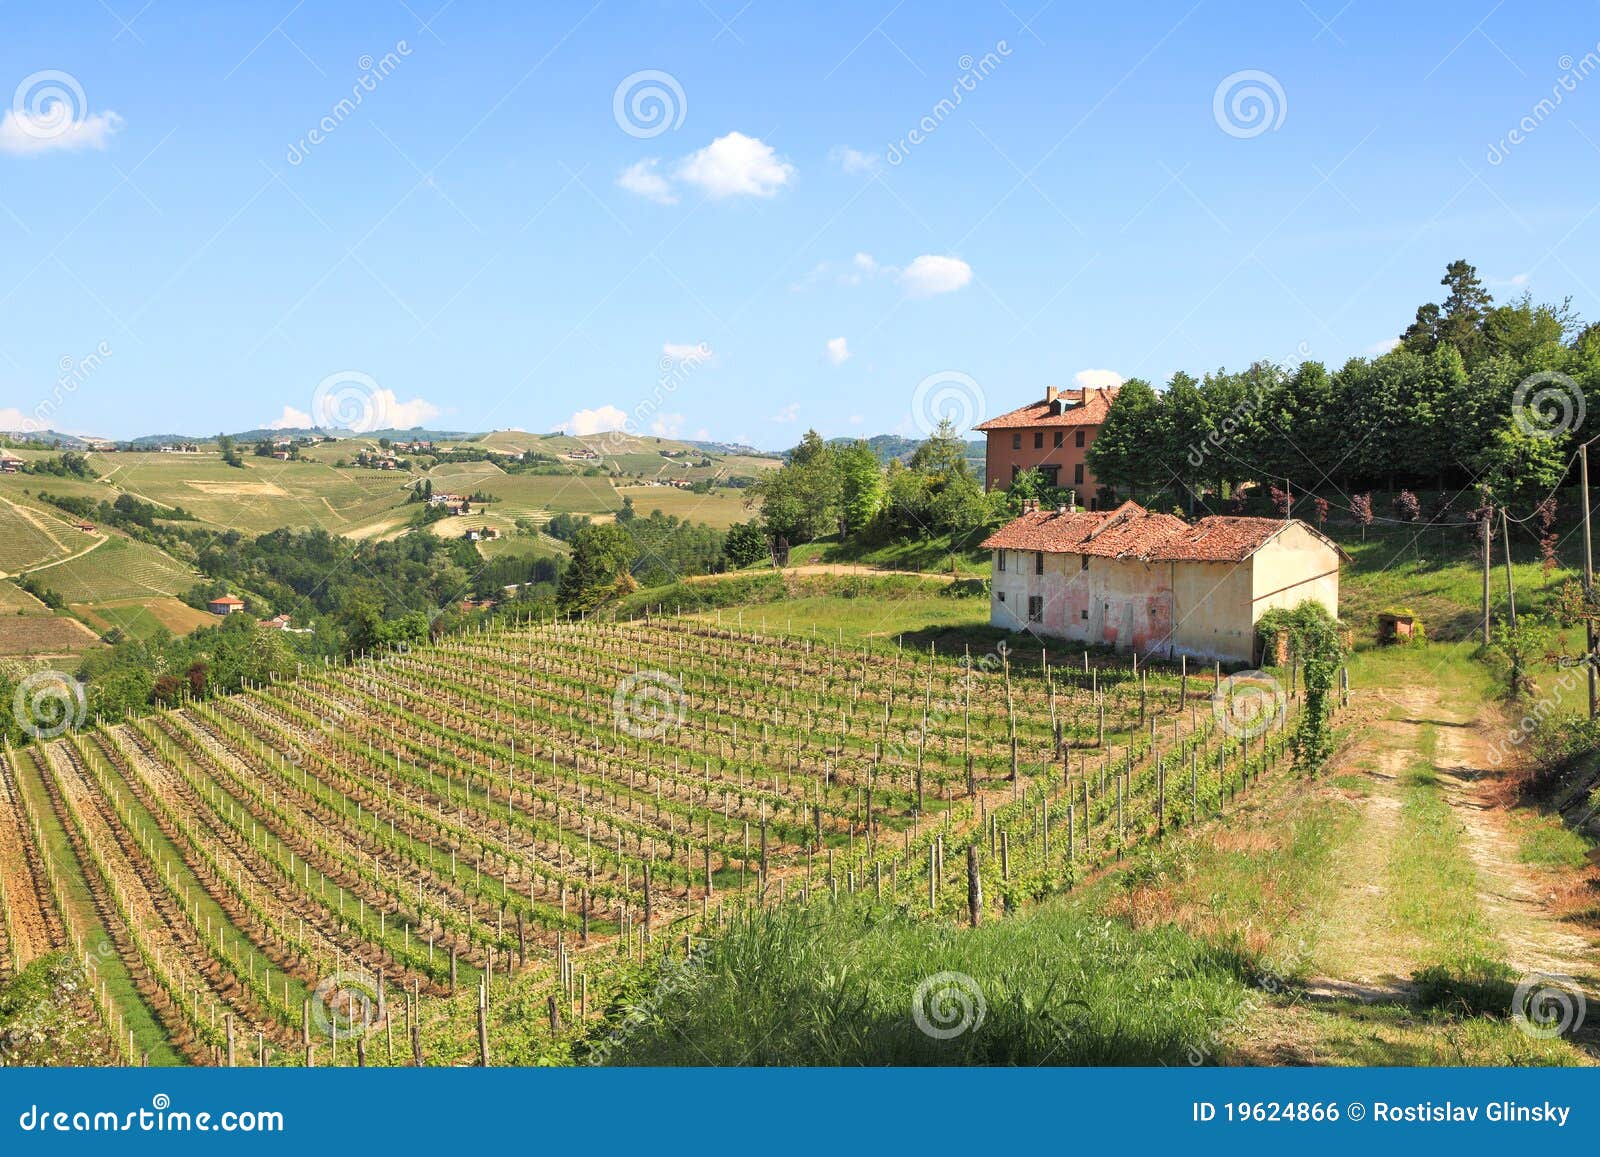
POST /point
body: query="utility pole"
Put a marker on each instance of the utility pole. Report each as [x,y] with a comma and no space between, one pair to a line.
[1588,582]
[1486,513]
[1511,585]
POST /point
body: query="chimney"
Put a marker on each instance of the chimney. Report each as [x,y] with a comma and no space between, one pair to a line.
[1051,393]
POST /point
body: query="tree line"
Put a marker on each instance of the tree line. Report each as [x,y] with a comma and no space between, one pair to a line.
[1472,394]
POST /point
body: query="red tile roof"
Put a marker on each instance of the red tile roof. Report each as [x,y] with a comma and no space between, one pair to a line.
[1085,407]
[229,600]
[1131,531]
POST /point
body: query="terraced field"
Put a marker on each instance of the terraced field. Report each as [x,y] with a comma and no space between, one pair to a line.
[118,569]
[469,842]
[29,536]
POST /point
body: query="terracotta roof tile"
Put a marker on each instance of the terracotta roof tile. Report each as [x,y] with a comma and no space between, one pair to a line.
[1077,411]
[1131,531]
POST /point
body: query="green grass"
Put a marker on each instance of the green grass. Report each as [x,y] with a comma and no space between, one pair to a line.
[860,607]
[818,987]
[938,553]
[1433,897]
[1544,840]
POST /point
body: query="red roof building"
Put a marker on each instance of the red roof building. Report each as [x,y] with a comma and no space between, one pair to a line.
[225,605]
[1051,435]
[1137,580]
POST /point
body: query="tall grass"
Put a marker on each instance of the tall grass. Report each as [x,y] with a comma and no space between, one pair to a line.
[1057,987]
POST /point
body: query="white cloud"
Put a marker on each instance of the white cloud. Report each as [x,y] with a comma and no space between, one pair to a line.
[600,420]
[291,418]
[854,160]
[666,425]
[683,352]
[1091,378]
[25,133]
[736,165]
[14,421]
[643,179]
[853,272]
[1378,348]
[702,435]
[856,419]
[931,274]
[400,415]
[838,351]
[789,413]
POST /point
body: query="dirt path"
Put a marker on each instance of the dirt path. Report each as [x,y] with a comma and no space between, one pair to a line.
[1516,898]
[1362,954]
[1365,955]
[815,568]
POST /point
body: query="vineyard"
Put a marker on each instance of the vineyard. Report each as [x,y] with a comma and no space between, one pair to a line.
[460,854]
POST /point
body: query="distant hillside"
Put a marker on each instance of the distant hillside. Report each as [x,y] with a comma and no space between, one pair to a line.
[890,446]
[49,437]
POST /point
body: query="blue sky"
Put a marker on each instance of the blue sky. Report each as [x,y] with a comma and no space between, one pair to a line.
[483,243]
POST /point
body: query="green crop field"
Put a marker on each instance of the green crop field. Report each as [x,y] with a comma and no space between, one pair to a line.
[720,508]
[118,569]
[140,618]
[30,536]
[263,494]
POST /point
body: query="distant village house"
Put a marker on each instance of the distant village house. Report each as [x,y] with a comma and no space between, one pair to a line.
[1052,436]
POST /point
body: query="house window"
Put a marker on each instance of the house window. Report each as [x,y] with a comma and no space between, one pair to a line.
[1038,562]
[1000,561]
[1083,561]
[1051,474]
[1001,595]
[1077,474]
[1058,439]
[1084,615]
[1035,608]
[1038,439]
[1077,439]
[1016,441]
